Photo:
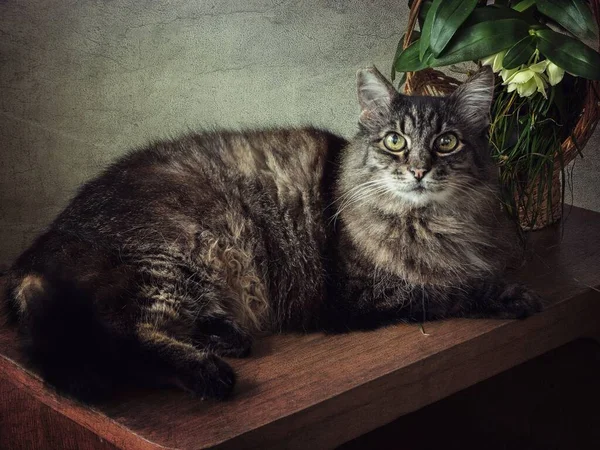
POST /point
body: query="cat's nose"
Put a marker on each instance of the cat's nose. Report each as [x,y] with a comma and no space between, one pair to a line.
[418,173]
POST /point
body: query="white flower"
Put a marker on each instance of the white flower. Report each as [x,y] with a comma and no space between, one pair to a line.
[507,73]
[495,61]
[555,74]
[527,80]
[539,67]
[528,88]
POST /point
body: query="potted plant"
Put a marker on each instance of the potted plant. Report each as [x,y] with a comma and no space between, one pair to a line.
[546,102]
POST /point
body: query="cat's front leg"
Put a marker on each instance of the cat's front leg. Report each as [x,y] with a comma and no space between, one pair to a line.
[367,309]
[498,299]
[223,336]
[362,308]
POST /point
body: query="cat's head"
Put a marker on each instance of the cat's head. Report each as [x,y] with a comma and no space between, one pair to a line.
[423,150]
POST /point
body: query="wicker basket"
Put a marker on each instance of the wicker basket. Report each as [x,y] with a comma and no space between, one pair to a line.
[434,82]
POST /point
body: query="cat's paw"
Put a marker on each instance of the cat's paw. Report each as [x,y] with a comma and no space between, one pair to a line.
[210,378]
[519,302]
[236,345]
[223,338]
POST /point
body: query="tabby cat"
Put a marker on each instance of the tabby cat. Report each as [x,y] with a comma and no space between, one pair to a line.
[180,253]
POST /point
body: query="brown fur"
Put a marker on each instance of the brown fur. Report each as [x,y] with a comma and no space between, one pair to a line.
[186,249]
[29,287]
[233,264]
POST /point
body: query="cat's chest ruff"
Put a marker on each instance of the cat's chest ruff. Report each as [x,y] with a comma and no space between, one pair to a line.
[423,249]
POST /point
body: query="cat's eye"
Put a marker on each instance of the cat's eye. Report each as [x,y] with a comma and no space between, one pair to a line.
[446,143]
[394,142]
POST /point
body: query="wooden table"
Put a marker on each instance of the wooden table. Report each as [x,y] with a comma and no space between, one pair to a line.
[316,391]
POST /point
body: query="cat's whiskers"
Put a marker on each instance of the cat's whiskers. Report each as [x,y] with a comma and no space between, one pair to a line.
[352,191]
[468,185]
[363,188]
[366,194]
[475,193]
[358,193]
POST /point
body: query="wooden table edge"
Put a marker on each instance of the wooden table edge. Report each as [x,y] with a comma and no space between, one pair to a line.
[85,416]
[344,407]
[581,311]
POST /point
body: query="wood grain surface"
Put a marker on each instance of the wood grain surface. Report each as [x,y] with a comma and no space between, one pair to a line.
[26,424]
[547,403]
[316,391]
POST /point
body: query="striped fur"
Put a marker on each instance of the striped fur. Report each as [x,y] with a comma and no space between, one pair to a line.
[183,251]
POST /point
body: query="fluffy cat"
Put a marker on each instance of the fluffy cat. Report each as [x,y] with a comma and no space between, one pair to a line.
[181,252]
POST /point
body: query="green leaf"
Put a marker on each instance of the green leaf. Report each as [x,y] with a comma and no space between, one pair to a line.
[569,54]
[425,7]
[426,31]
[409,61]
[519,53]
[450,16]
[481,40]
[573,15]
[496,12]
[413,37]
[523,5]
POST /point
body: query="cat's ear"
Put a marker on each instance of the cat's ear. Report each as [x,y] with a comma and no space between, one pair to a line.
[375,93]
[474,98]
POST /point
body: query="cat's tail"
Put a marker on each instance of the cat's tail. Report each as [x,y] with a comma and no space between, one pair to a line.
[79,344]
[64,339]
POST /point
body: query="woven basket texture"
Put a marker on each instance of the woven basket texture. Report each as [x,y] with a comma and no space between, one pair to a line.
[549,211]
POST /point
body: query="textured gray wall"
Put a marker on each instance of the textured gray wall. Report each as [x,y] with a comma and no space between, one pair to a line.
[585,181]
[83,81]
